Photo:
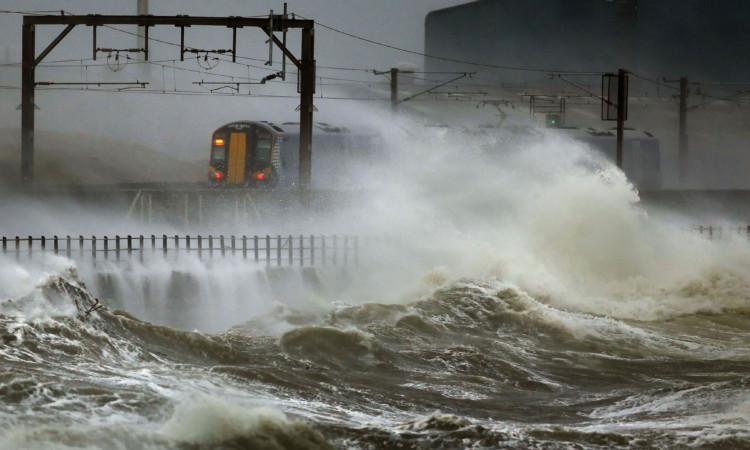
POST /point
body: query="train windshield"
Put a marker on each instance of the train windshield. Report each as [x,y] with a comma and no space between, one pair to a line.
[218,154]
[263,151]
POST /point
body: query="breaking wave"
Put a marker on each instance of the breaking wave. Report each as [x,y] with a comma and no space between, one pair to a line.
[512,303]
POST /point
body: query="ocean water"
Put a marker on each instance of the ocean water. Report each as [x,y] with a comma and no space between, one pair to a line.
[524,298]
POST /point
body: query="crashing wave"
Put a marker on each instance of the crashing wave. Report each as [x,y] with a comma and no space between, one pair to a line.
[65,294]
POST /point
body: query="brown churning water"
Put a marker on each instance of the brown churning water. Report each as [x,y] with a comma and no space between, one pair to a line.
[530,301]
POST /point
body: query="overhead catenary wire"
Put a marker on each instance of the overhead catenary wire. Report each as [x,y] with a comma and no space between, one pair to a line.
[171,61]
[36,12]
[505,86]
[442,58]
[431,98]
[160,63]
[677,89]
[350,81]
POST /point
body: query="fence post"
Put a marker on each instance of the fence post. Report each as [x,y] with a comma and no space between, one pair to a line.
[55,245]
[210,246]
[5,245]
[176,244]
[232,238]
[80,245]
[106,247]
[200,246]
[278,250]
[30,245]
[164,244]
[130,245]
[312,250]
[268,250]
[221,244]
[187,243]
[301,250]
[117,247]
[244,247]
[93,247]
[346,249]
[323,248]
[18,247]
[291,250]
[67,246]
[153,245]
[255,242]
[140,248]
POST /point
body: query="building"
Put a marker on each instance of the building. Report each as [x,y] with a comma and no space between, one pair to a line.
[699,39]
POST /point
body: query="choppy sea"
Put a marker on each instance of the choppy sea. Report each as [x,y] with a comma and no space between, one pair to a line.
[525,306]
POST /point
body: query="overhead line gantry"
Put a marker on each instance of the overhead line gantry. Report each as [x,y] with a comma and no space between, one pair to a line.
[274,22]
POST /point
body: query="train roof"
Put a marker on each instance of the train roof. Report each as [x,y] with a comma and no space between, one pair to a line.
[292,128]
[590,132]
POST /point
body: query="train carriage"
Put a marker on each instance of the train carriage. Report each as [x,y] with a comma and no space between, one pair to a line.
[641,156]
[641,159]
[264,154]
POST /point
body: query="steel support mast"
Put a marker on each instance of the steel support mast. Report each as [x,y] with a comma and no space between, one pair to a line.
[27,104]
[621,113]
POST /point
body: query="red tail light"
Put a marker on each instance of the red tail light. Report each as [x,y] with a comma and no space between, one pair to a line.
[217,175]
[260,176]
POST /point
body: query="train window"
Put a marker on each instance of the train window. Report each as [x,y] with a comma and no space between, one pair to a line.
[637,160]
[263,150]
[218,154]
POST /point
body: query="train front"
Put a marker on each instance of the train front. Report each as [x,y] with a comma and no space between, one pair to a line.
[241,156]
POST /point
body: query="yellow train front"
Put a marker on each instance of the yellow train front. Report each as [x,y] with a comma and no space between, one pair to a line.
[245,153]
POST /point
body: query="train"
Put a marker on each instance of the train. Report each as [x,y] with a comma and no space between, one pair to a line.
[641,158]
[641,155]
[263,154]
[266,155]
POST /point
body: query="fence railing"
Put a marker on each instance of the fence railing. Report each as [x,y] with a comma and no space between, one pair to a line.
[272,250]
[718,232]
